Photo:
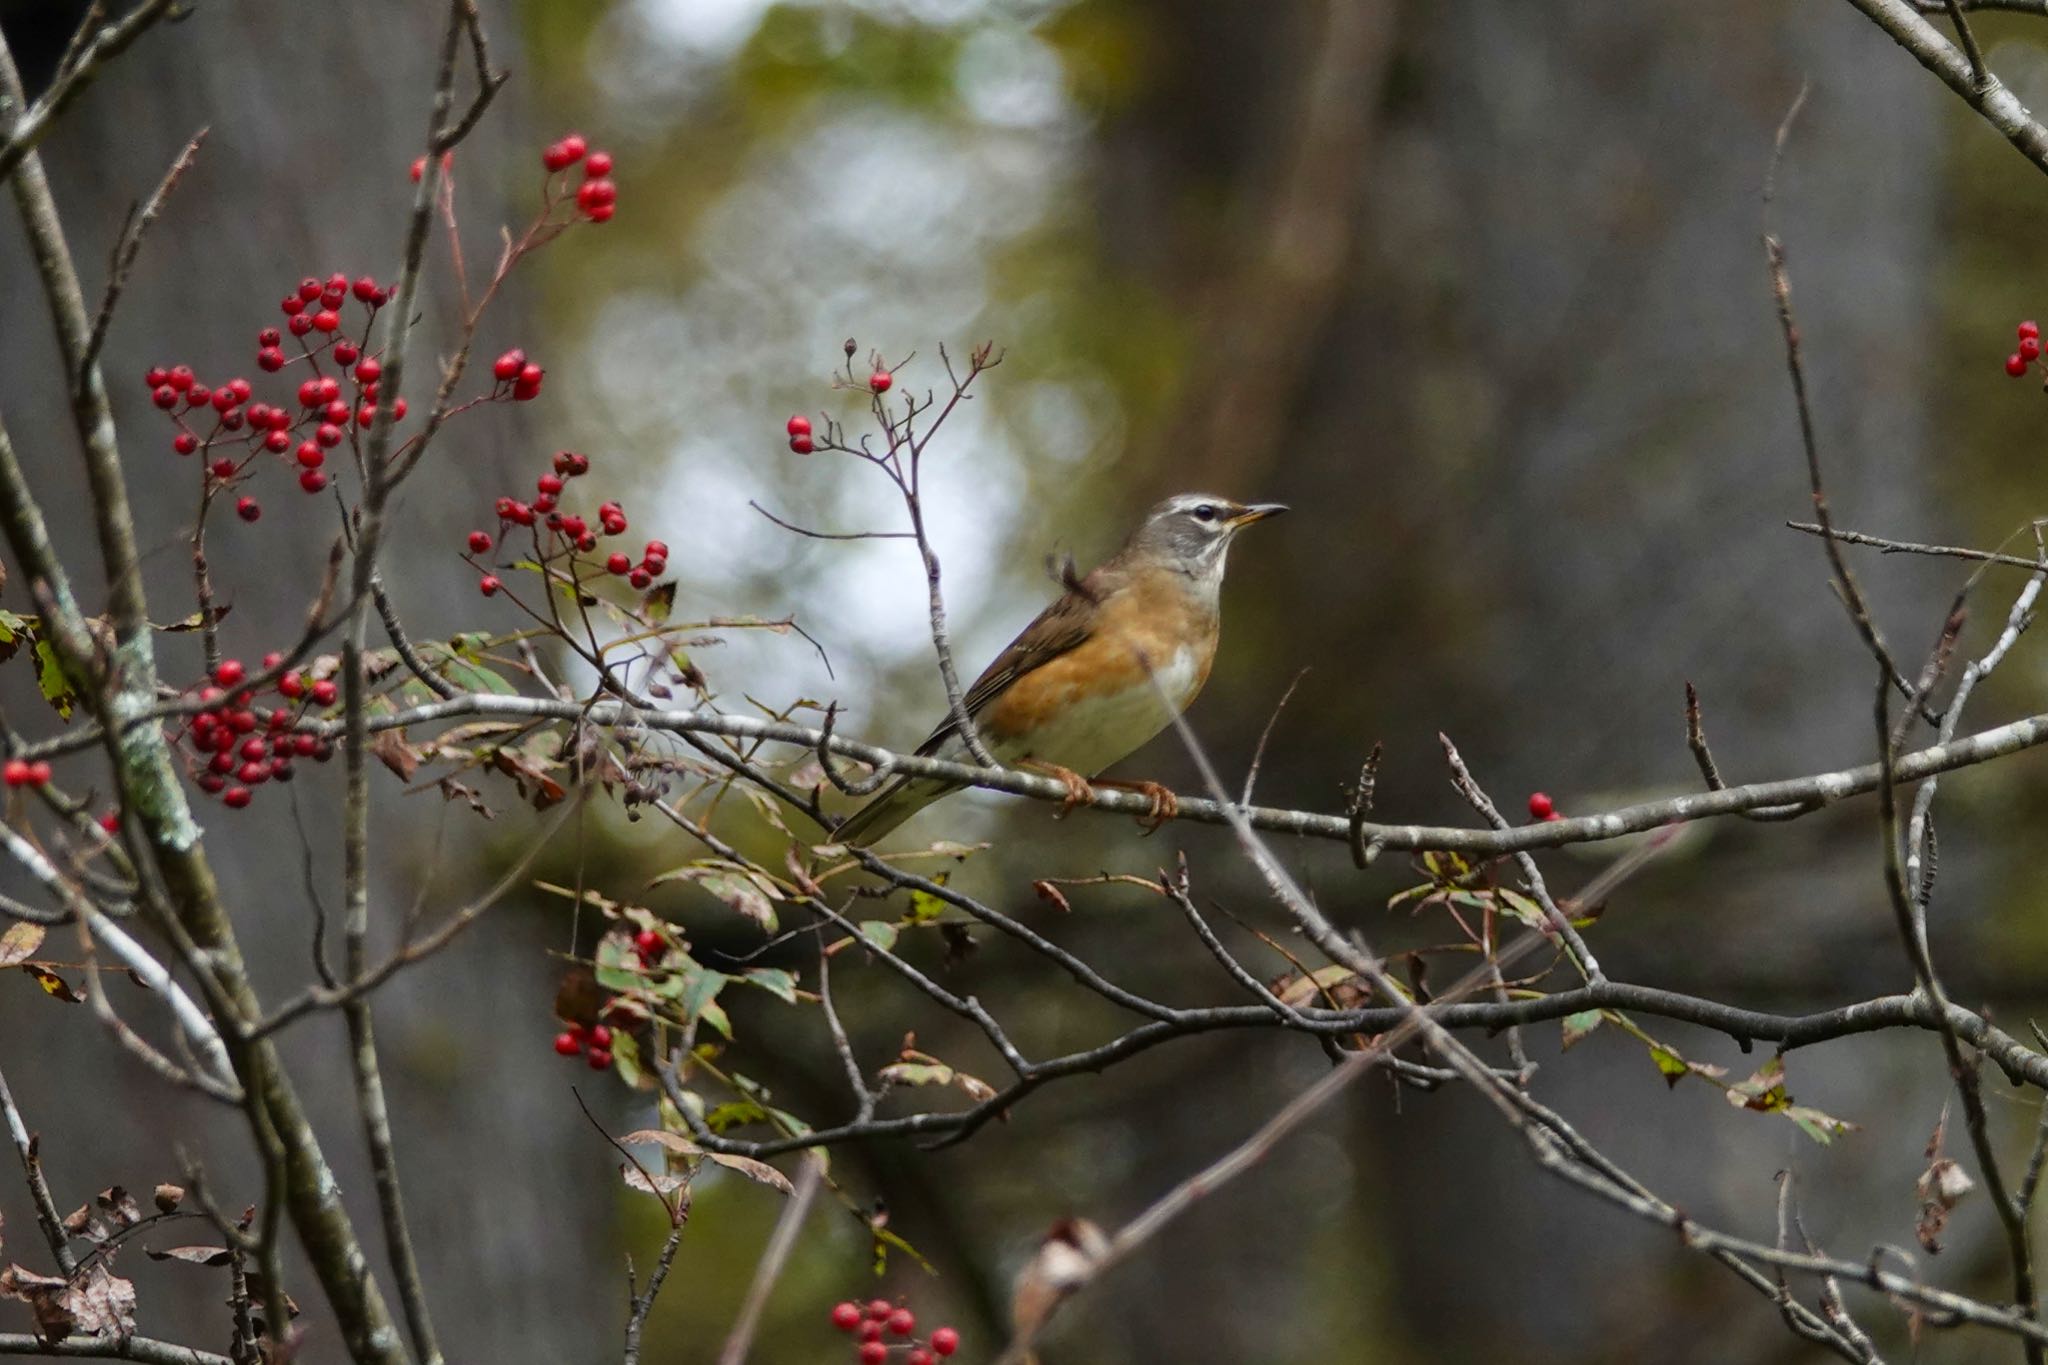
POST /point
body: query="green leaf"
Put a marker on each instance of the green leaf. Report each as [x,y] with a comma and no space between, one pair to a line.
[626,1060]
[659,602]
[777,981]
[925,907]
[1669,1063]
[1822,1128]
[734,1114]
[50,678]
[700,998]
[879,932]
[471,677]
[1578,1026]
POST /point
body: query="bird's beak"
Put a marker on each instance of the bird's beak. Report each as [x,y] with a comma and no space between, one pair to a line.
[1257,511]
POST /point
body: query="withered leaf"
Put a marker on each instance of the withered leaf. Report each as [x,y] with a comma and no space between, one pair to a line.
[391,749]
[168,1197]
[675,1142]
[119,1205]
[1053,896]
[660,1186]
[193,1255]
[19,943]
[94,1303]
[529,776]
[81,1223]
[52,983]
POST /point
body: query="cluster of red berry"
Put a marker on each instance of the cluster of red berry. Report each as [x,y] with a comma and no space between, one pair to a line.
[21,772]
[597,197]
[2030,349]
[593,1041]
[228,757]
[222,424]
[879,1319]
[568,534]
[1541,807]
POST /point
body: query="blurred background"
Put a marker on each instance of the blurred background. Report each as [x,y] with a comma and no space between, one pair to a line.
[1476,286]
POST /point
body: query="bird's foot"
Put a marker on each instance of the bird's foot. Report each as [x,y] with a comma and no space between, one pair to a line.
[1079,793]
[1164,804]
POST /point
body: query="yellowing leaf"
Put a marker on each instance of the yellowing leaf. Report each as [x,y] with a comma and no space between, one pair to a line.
[19,943]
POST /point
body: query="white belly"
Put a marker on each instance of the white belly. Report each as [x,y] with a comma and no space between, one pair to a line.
[1092,733]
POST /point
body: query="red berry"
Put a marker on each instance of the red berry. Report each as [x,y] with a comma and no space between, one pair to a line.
[291,686]
[240,389]
[508,365]
[527,385]
[310,395]
[248,509]
[368,371]
[270,359]
[398,409]
[599,1059]
[184,443]
[180,377]
[165,397]
[324,692]
[550,484]
[365,289]
[647,941]
[479,543]
[312,480]
[2030,348]
[2029,328]
[945,1341]
[15,773]
[566,1044]
[366,415]
[902,1323]
[872,1353]
[309,289]
[545,504]
[593,195]
[845,1316]
[39,773]
[2015,364]
[300,324]
[235,797]
[111,822]
[619,564]
[328,433]
[879,1309]
[157,377]
[306,746]
[255,746]
[311,455]
[870,1331]
[600,1036]
[277,442]
[799,425]
[599,164]
[639,578]
[574,145]
[199,395]
[223,468]
[919,1356]
[489,584]
[229,673]
[801,443]
[345,353]
[1540,806]
[880,381]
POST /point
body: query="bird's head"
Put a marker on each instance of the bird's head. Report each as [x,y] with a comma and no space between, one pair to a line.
[1193,531]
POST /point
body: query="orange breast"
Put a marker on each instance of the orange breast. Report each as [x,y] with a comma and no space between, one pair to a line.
[1153,621]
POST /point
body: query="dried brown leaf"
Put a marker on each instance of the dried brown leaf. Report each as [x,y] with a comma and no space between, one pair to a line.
[19,943]
[194,1255]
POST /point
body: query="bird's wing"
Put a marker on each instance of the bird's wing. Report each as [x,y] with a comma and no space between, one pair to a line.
[1065,625]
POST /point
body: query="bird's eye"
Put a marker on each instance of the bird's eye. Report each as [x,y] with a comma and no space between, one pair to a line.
[1205,512]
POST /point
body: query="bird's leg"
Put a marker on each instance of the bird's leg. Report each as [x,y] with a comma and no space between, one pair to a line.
[1165,805]
[1079,793]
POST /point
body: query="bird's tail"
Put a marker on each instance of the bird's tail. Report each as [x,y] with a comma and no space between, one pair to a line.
[897,802]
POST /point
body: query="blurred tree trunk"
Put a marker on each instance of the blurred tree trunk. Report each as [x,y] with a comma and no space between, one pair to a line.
[315,112]
[1524,407]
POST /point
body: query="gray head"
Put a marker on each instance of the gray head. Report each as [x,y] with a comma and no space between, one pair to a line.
[1193,531]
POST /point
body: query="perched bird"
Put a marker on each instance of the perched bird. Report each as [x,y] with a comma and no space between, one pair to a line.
[1074,693]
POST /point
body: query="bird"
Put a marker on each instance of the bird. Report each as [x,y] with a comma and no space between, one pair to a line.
[1075,692]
